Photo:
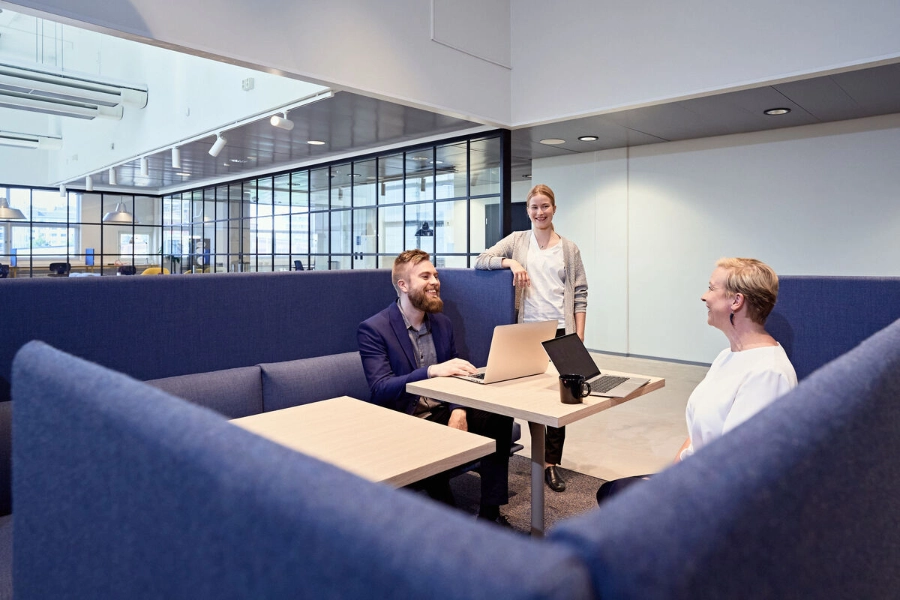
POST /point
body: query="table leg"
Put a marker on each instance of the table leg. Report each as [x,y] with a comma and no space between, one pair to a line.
[537,479]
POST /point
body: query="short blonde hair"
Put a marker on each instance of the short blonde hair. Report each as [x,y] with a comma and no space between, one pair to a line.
[756,281]
[405,259]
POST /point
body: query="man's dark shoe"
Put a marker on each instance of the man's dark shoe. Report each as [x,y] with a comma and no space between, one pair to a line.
[499,520]
[554,479]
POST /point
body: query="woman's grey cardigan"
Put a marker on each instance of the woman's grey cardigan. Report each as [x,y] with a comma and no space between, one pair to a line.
[515,246]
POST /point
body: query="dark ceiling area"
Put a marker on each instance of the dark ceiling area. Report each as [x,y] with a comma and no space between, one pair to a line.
[351,123]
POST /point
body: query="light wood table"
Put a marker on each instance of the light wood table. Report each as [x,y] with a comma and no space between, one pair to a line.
[371,441]
[534,399]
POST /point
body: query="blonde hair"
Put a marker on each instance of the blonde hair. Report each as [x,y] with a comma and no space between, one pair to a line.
[543,190]
[756,281]
[405,259]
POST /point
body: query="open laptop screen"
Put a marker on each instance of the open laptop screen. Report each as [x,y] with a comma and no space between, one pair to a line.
[570,356]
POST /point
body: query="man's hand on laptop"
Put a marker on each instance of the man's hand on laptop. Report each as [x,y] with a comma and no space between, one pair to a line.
[454,366]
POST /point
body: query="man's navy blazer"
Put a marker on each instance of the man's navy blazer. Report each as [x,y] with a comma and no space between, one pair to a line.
[389,358]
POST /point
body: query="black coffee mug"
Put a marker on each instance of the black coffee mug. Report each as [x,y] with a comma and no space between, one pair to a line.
[572,388]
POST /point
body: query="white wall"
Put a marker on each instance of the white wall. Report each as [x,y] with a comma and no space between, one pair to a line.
[814,200]
[580,57]
[383,49]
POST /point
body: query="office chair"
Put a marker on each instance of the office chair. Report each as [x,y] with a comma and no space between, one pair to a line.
[60,269]
[155,271]
[298,266]
[4,271]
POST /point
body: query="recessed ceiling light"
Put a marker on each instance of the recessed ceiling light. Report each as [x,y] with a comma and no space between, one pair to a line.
[238,160]
[553,142]
[419,158]
[589,138]
[777,111]
[183,174]
[435,162]
[315,143]
[357,175]
[528,176]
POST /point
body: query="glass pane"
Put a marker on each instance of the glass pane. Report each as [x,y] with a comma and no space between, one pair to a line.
[318,262]
[390,179]
[390,227]
[319,233]
[300,234]
[485,166]
[220,240]
[339,263]
[89,209]
[364,224]
[147,211]
[265,192]
[49,206]
[451,230]
[318,183]
[454,262]
[304,262]
[452,171]
[300,191]
[282,195]
[282,238]
[420,226]
[365,183]
[341,185]
[484,223]
[148,241]
[281,263]
[340,232]
[264,235]
[21,199]
[420,175]
[89,241]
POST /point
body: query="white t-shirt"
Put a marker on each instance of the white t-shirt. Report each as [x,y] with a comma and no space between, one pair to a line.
[737,386]
[544,299]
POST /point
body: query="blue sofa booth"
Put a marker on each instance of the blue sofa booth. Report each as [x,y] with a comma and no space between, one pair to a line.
[241,343]
[123,491]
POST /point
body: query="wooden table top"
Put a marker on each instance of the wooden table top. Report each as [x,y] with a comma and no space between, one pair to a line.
[534,399]
[371,441]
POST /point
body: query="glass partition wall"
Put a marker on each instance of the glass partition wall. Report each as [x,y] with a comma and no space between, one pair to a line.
[445,198]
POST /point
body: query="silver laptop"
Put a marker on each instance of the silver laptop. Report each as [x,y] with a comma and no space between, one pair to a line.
[570,356]
[516,351]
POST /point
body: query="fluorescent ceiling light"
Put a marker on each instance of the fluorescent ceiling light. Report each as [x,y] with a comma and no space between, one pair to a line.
[315,143]
[65,94]
[27,140]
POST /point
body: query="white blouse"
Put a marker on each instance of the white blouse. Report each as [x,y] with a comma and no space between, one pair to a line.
[544,299]
[737,386]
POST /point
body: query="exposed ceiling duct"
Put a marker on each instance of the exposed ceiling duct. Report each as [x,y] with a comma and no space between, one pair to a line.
[28,140]
[66,94]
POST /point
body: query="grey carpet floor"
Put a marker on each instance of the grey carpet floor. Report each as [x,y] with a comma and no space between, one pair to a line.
[579,497]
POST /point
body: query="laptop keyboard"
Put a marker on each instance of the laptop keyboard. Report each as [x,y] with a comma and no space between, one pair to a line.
[477,375]
[604,383]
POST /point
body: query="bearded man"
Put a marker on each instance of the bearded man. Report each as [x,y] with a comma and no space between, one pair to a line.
[411,340]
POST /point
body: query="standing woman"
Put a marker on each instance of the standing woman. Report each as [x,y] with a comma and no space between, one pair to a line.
[550,285]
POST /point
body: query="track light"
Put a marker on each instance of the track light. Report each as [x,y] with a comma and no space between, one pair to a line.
[282,122]
[112,176]
[89,184]
[218,145]
[176,158]
[62,191]
[145,168]
[422,185]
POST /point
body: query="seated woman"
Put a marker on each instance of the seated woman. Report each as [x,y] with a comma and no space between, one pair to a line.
[745,377]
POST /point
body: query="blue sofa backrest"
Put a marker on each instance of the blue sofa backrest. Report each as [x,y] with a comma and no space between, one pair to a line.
[123,491]
[801,501]
[154,327]
[817,319]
